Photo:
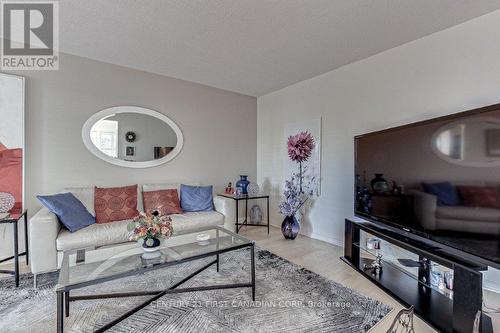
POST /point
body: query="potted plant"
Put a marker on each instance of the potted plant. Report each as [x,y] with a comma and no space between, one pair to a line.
[149,230]
[298,189]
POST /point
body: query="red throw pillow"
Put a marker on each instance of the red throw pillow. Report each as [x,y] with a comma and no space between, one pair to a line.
[479,196]
[115,203]
[165,201]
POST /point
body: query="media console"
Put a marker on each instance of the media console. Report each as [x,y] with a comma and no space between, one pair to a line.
[446,313]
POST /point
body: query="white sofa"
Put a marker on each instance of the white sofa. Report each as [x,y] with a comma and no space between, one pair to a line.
[48,239]
[479,220]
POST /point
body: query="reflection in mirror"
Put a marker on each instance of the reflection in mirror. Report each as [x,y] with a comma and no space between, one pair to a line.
[473,142]
[153,139]
[132,136]
[451,142]
[441,180]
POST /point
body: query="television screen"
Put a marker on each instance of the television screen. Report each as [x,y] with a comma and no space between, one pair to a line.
[437,179]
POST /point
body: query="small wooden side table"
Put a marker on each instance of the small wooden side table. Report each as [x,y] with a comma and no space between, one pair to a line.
[246,197]
[13,219]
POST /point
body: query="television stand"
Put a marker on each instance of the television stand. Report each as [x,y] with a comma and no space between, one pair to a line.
[446,313]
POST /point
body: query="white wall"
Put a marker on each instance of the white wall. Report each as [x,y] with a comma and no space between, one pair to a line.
[219,129]
[450,71]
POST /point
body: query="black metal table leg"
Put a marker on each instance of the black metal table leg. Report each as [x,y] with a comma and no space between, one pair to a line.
[236,224]
[268,215]
[26,246]
[252,259]
[16,254]
[246,211]
[217,235]
[66,303]
[60,309]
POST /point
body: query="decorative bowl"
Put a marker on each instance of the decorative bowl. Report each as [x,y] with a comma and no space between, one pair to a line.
[202,239]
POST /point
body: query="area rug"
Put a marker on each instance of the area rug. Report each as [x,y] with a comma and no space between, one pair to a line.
[289,298]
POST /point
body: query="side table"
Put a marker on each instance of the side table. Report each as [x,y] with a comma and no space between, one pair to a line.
[13,219]
[246,197]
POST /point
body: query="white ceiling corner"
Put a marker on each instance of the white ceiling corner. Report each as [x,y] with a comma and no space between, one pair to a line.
[251,46]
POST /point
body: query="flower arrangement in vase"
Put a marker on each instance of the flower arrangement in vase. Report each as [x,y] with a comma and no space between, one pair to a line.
[149,230]
[298,189]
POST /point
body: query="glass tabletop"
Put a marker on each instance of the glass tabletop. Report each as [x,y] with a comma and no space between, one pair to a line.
[114,262]
[243,196]
[12,216]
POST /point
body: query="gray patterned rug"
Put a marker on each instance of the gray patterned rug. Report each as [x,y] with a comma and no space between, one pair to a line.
[288,298]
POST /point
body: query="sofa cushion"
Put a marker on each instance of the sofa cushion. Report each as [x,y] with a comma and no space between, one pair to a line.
[191,221]
[164,186]
[479,196]
[468,213]
[115,203]
[196,198]
[445,192]
[114,233]
[85,195]
[70,211]
[94,236]
[165,201]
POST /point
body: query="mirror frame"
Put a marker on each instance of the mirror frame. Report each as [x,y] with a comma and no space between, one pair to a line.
[131,109]
[438,153]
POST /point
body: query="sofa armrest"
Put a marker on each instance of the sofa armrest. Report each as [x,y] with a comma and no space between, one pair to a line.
[226,207]
[43,230]
[425,205]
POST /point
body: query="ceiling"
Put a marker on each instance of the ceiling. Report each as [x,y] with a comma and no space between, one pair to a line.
[250,46]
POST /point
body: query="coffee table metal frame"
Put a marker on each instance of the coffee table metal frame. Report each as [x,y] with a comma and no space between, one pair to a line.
[64,298]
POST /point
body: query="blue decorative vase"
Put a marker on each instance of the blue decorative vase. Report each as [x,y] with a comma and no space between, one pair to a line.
[150,243]
[290,227]
[243,183]
[151,248]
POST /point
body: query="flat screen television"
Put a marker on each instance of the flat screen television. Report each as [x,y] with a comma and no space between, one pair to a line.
[437,180]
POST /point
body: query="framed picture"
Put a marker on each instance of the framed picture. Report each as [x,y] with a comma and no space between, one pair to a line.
[130,151]
[493,142]
[12,138]
[313,126]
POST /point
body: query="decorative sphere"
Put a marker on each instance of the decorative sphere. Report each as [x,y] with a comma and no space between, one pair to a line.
[253,189]
[7,202]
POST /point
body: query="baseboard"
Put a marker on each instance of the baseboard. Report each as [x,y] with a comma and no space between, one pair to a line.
[313,235]
[329,240]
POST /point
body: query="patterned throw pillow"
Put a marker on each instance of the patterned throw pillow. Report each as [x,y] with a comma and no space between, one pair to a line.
[479,196]
[115,203]
[165,201]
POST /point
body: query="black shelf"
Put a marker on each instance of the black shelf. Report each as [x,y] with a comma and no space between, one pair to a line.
[393,265]
[433,307]
[446,314]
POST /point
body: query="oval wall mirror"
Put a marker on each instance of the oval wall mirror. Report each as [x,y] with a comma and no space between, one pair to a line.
[473,142]
[132,136]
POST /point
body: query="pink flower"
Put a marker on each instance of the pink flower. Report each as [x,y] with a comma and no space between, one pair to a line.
[142,231]
[165,231]
[300,146]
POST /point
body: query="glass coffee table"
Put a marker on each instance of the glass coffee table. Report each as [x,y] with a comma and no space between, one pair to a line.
[81,268]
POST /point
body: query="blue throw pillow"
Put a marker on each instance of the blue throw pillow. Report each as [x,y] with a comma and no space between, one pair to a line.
[445,192]
[196,198]
[70,211]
